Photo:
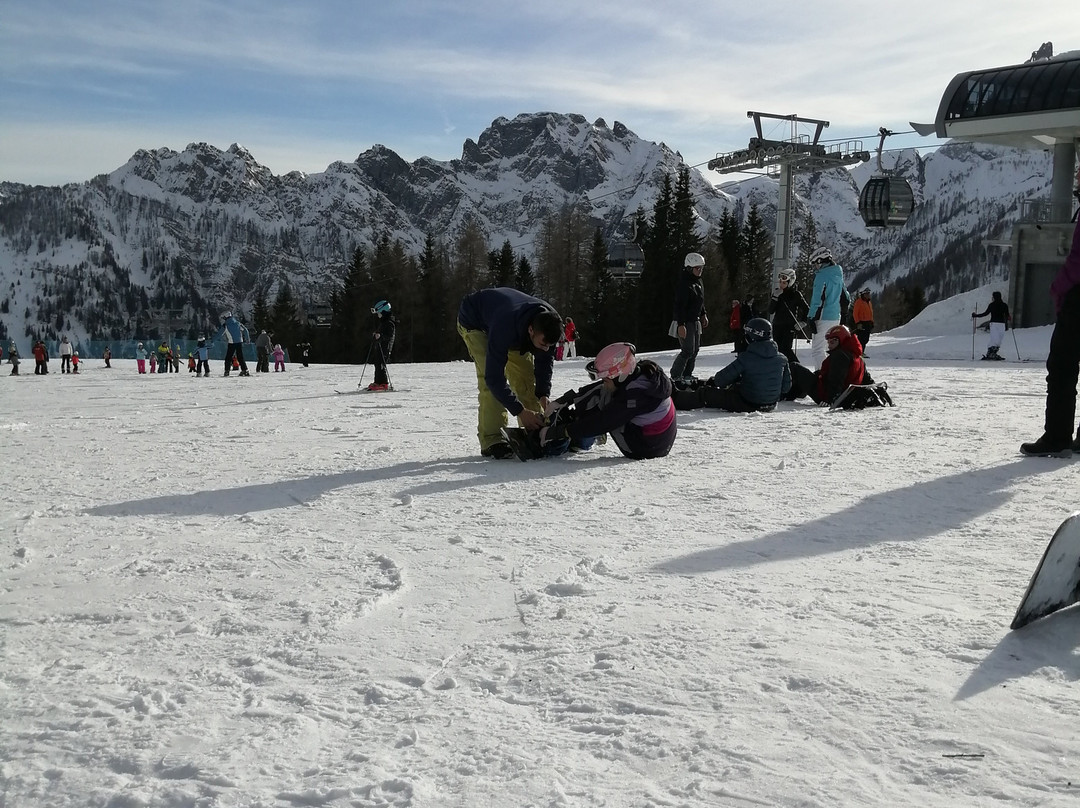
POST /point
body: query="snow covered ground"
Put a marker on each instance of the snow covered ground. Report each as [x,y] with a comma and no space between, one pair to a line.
[258,592]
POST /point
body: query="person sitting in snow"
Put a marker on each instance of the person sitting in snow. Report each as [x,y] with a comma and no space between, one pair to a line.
[755,381]
[631,401]
[843,367]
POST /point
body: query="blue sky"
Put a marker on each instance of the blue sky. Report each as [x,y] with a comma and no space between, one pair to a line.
[83,85]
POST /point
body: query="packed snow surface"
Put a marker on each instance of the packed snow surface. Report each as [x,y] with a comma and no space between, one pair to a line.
[259,592]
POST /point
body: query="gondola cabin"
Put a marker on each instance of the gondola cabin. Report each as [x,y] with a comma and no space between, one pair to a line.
[625,260]
[886,202]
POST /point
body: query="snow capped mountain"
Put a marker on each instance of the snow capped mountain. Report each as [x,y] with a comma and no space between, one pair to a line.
[192,231]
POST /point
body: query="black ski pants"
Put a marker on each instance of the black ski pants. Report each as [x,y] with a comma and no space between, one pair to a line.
[1062,370]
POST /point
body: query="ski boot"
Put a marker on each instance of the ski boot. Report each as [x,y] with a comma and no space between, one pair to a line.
[1047,447]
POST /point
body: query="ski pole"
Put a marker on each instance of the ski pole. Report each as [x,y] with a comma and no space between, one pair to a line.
[1018,359]
[973,337]
[366,361]
[386,370]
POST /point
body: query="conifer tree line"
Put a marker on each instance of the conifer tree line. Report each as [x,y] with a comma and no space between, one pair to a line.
[571,273]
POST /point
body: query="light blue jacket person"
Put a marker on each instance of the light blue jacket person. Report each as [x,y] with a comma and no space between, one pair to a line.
[233,331]
[828,283]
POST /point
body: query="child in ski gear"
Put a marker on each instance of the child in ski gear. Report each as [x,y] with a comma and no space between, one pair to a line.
[202,353]
[690,317]
[65,355]
[511,339]
[383,345]
[862,313]
[174,357]
[998,310]
[191,364]
[631,402]
[753,382]
[13,358]
[843,367]
[140,358]
[107,356]
[1063,361]
[570,339]
[828,300]
[75,362]
[788,309]
[279,359]
[235,335]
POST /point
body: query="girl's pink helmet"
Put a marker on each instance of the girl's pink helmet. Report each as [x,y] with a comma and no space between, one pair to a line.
[616,361]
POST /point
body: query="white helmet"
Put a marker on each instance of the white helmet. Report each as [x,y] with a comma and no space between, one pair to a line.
[822,255]
[694,260]
[786,275]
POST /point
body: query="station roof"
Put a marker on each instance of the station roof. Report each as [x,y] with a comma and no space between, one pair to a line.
[1032,105]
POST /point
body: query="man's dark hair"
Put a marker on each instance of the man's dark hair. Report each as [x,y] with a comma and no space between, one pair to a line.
[550,324]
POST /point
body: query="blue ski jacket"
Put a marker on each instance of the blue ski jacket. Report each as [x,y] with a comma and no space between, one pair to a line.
[760,373]
[828,284]
[505,314]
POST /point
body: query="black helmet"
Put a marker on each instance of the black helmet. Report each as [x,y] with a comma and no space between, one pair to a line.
[758,330]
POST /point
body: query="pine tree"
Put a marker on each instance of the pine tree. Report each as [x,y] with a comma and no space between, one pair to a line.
[757,251]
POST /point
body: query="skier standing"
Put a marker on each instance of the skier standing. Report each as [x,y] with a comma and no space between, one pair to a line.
[383,345]
[998,310]
[862,313]
[828,300]
[788,309]
[690,317]
[262,352]
[236,335]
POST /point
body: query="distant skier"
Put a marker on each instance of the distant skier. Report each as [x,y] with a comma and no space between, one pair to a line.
[236,335]
[998,310]
[828,300]
[862,314]
[383,344]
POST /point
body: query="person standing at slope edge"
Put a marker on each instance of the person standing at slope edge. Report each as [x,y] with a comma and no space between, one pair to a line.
[690,317]
[998,310]
[235,335]
[828,300]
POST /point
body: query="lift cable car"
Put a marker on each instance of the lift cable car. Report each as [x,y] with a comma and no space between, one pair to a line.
[885,201]
[625,258]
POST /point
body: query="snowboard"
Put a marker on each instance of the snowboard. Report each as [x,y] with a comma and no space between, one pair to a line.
[1056,582]
[871,395]
[525,448]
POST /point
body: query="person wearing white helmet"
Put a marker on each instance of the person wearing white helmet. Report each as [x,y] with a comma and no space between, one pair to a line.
[689,316]
[828,300]
[789,310]
[630,401]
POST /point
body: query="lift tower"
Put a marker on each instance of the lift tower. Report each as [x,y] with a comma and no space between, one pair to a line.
[785,157]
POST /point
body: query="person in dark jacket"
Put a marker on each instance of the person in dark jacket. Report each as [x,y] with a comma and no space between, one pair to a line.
[998,310]
[511,338]
[385,329]
[753,382]
[843,367]
[789,310]
[631,402]
[263,346]
[689,317]
[1063,361]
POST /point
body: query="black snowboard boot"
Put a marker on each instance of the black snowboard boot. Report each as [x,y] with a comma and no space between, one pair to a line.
[1047,447]
[498,451]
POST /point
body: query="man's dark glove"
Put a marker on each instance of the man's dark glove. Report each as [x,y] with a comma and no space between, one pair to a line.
[811,326]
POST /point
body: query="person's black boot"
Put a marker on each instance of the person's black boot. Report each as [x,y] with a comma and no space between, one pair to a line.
[1047,447]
